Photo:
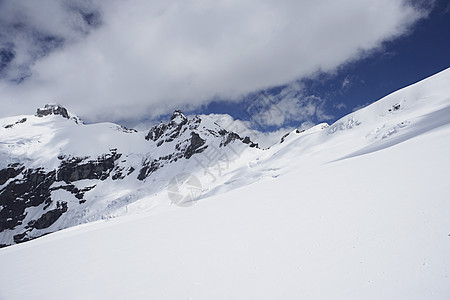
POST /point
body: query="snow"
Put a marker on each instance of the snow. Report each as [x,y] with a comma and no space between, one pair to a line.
[355,210]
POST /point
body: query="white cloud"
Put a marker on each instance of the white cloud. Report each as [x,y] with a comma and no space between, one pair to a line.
[346,82]
[290,105]
[340,105]
[30,31]
[150,57]
[244,128]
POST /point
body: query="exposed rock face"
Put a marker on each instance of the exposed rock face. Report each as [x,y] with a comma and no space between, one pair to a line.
[170,131]
[78,168]
[25,188]
[78,193]
[395,107]
[156,132]
[10,172]
[49,217]
[127,130]
[52,109]
[196,145]
[32,188]
[23,120]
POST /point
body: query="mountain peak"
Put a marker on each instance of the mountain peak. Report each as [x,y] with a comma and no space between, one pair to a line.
[178,117]
[52,109]
[56,109]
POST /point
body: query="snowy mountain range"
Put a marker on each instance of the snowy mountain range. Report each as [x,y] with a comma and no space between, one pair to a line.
[355,209]
[57,172]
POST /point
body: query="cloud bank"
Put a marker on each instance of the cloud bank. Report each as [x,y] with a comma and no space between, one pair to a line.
[115,60]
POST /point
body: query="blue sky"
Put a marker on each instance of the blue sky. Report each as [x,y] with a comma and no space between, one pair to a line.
[402,62]
[277,64]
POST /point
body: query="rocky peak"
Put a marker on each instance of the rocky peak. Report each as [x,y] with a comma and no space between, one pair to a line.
[178,118]
[52,109]
[55,109]
[179,124]
[183,138]
[172,129]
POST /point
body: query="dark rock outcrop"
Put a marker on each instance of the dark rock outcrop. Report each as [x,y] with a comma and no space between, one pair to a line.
[21,237]
[32,189]
[54,109]
[395,107]
[156,132]
[21,121]
[148,167]
[251,144]
[121,173]
[78,193]
[79,168]
[166,133]
[10,172]
[196,145]
[283,138]
[50,217]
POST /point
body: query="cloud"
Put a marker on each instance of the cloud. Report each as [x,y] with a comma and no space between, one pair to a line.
[340,105]
[244,128]
[135,59]
[346,83]
[446,10]
[29,31]
[285,107]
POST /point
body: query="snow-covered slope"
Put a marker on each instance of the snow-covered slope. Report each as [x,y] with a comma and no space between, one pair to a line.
[355,210]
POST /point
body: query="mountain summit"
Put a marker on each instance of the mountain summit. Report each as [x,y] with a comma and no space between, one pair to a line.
[55,109]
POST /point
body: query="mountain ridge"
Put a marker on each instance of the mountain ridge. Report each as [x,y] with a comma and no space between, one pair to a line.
[35,196]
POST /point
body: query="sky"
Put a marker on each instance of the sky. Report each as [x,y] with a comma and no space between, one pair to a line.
[272,64]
